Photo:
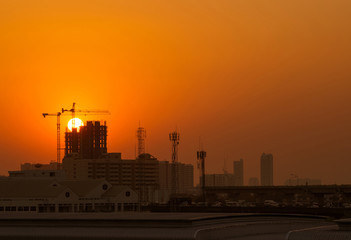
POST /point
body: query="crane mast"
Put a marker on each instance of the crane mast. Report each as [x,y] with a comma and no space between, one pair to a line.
[58,130]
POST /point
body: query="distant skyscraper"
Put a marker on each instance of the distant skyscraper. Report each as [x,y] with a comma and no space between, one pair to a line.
[267,169]
[239,172]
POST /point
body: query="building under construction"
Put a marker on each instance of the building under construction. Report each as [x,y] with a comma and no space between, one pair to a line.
[89,142]
[86,158]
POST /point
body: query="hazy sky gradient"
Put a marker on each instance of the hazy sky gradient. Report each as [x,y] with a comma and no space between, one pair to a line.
[247,76]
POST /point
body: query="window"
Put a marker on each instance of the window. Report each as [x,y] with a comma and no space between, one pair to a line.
[127,194]
[67,194]
[104,186]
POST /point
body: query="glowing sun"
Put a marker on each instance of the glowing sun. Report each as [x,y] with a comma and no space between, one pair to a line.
[77,124]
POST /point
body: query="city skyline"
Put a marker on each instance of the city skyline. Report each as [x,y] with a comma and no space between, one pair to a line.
[238,167]
[247,78]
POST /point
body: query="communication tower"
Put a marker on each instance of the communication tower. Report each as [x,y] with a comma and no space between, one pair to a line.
[141,135]
[174,138]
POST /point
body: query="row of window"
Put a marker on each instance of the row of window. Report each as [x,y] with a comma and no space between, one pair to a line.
[122,173]
[122,165]
[124,169]
[19,209]
[125,178]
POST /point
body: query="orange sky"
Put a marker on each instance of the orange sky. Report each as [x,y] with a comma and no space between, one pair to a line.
[247,76]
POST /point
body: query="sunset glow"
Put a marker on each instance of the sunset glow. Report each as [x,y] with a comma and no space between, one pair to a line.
[77,124]
[246,76]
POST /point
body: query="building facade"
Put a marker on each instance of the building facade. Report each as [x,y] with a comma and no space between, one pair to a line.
[40,166]
[267,169]
[140,174]
[33,195]
[185,179]
[37,174]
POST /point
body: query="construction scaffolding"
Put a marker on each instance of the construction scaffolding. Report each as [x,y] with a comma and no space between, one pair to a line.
[89,142]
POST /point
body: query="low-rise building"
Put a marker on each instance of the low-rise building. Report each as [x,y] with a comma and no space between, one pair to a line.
[32,195]
[40,166]
[302,181]
[37,174]
[253,181]
[140,174]
[184,179]
[219,180]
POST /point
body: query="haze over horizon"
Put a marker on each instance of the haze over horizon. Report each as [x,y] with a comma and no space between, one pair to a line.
[246,76]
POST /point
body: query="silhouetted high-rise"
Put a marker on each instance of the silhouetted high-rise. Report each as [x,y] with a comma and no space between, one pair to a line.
[239,172]
[89,142]
[267,169]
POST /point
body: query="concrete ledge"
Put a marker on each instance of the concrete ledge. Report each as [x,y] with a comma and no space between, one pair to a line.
[344,224]
[146,225]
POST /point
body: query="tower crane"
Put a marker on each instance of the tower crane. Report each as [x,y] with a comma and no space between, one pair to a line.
[73,110]
[58,124]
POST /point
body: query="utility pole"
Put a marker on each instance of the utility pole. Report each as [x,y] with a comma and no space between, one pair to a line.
[201,155]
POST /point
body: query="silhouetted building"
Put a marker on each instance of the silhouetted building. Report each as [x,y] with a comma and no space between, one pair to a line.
[253,182]
[302,181]
[141,174]
[37,174]
[40,166]
[239,172]
[267,169]
[38,171]
[219,180]
[89,142]
[33,195]
[87,158]
[185,179]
